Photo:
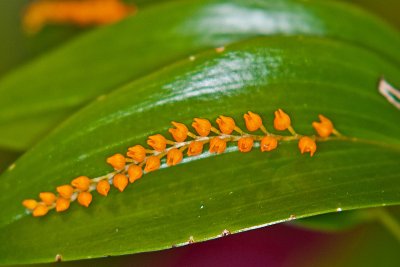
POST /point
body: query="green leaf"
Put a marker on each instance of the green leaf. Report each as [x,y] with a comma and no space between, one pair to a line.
[369,245]
[235,191]
[55,85]
[25,47]
[338,221]
[7,158]
[388,11]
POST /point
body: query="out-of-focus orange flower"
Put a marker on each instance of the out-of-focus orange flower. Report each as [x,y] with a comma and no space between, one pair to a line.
[81,13]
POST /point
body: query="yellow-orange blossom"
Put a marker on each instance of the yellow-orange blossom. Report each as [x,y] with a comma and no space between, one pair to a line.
[140,160]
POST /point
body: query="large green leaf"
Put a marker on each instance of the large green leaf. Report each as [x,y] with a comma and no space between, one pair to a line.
[55,85]
[206,195]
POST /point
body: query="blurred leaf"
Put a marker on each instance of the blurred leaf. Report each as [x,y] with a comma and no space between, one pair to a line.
[370,245]
[16,47]
[388,10]
[7,158]
[57,84]
[205,195]
[338,221]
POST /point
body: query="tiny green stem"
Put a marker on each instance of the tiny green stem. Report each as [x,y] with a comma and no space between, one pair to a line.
[388,221]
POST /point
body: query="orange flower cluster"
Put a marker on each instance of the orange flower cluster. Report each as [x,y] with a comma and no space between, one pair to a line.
[140,160]
[81,13]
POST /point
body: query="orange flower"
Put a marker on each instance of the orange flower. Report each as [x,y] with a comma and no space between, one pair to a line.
[117,161]
[47,197]
[323,128]
[137,153]
[153,163]
[40,210]
[81,183]
[30,204]
[82,13]
[180,132]
[174,156]
[103,187]
[217,145]
[245,144]
[85,198]
[281,121]
[268,143]
[202,126]
[195,148]
[62,204]
[253,121]
[65,191]
[120,181]
[135,172]
[226,124]
[158,142]
[306,144]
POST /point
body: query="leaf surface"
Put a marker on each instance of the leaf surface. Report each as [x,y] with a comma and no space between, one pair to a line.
[57,84]
[205,195]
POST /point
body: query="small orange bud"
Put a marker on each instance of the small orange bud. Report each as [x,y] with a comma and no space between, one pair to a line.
[306,144]
[135,172]
[40,210]
[81,183]
[245,144]
[84,198]
[217,145]
[117,161]
[153,163]
[65,191]
[62,204]
[120,181]
[253,121]
[47,197]
[202,126]
[158,142]
[281,121]
[268,143]
[323,128]
[180,132]
[174,156]
[137,153]
[226,124]
[103,187]
[29,203]
[195,148]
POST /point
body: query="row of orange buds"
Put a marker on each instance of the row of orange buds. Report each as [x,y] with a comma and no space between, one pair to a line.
[140,160]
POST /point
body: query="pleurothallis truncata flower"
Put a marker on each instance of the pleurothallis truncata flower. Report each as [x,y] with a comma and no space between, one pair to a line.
[253,121]
[226,124]
[282,120]
[202,126]
[180,132]
[141,161]
[324,128]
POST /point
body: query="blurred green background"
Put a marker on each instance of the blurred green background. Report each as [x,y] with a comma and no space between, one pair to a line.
[282,245]
[17,47]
